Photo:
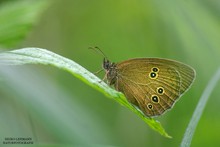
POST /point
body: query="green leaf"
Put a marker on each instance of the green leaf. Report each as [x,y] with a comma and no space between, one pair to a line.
[43,56]
[199,110]
[17,18]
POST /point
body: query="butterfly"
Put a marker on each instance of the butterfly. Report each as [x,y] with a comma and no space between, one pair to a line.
[151,84]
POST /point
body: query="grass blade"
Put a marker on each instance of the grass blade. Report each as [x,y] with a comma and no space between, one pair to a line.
[199,110]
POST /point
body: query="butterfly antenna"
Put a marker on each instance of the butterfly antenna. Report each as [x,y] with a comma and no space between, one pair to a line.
[98,50]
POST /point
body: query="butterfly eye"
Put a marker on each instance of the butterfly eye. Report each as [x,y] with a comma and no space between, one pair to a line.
[160,90]
[155,98]
[106,64]
[149,106]
[155,69]
[153,75]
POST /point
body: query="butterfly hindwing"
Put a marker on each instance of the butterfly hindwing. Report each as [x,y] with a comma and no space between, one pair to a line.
[153,84]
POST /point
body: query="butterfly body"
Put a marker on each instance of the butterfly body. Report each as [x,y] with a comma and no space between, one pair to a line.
[151,84]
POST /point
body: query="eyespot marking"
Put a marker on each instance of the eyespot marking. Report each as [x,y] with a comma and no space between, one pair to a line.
[149,106]
[160,90]
[155,69]
[155,99]
[153,75]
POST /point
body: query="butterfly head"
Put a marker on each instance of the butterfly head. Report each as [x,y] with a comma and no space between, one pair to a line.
[110,69]
[107,65]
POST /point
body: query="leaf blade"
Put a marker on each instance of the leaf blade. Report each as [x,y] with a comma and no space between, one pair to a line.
[46,57]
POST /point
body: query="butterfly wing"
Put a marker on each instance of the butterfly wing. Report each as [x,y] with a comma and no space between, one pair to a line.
[153,84]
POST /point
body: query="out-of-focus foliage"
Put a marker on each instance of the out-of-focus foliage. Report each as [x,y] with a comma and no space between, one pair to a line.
[17,18]
[52,107]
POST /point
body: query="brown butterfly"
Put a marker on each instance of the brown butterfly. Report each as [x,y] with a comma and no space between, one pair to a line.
[151,84]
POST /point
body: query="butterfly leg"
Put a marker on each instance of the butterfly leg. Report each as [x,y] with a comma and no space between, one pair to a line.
[104,78]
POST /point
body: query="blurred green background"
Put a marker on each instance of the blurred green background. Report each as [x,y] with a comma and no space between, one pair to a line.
[53,107]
